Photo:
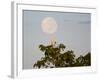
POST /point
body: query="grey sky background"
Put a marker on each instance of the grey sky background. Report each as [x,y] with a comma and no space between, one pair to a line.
[74,30]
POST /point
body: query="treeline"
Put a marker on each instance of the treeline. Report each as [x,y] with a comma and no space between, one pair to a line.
[56,56]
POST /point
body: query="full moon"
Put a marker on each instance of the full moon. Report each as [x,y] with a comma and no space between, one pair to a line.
[49,25]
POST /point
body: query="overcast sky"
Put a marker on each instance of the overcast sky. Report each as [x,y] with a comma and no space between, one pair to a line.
[74,30]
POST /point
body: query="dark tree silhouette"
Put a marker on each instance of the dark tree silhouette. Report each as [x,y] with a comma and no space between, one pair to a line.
[56,56]
[84,60]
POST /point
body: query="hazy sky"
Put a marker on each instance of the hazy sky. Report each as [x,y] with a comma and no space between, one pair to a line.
[74,30]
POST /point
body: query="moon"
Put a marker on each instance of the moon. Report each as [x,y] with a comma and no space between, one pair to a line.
[49,25]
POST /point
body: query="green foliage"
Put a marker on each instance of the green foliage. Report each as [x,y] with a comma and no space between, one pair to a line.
[84,60]
[56,56]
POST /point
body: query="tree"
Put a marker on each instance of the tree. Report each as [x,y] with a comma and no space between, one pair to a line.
[87,59]
[84,60]
[56,56]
